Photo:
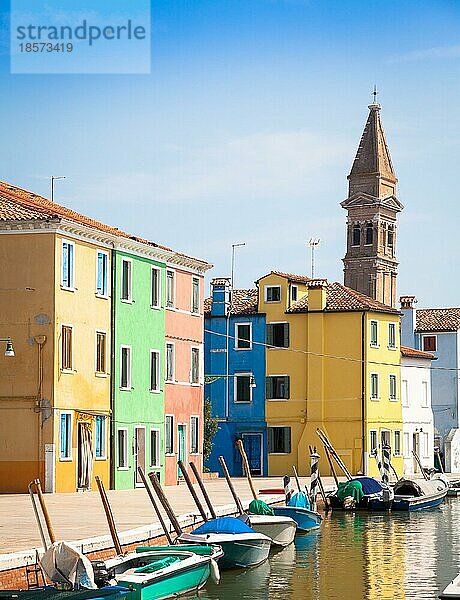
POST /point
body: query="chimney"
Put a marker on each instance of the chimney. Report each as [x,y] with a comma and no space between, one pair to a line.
[220,293]
[408,320]
[317,294]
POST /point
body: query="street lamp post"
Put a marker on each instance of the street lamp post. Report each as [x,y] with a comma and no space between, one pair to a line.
[53,179]
[9,350]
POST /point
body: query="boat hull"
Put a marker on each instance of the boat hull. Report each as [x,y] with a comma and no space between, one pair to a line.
[307,520]
[239,550]
[281,530]
[409,504]
[418,495]
[370,503]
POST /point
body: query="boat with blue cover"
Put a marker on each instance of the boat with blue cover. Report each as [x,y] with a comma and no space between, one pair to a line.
[241,545]
[410,495]
[362,493]
[298,509]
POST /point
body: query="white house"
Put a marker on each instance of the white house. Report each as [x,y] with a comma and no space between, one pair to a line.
[418,428]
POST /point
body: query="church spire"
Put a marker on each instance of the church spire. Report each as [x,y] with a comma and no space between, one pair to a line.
[370,264]
[372,171]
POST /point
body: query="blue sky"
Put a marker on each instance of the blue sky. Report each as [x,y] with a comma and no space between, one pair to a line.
[246,129]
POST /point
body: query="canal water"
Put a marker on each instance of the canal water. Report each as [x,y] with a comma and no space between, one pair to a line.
[357,556]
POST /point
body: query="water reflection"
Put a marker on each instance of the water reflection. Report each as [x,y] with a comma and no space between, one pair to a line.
[357,557]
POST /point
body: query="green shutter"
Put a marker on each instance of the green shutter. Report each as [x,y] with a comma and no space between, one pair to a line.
[287,439]
[268,388]
[269,335]
[270,439]
[286,387]
[286,335]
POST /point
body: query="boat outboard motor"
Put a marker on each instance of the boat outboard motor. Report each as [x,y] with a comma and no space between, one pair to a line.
[102,576]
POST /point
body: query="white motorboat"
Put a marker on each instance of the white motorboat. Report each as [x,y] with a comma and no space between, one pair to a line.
[280,529]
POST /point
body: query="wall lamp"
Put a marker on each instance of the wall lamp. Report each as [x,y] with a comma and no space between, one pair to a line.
[9,350]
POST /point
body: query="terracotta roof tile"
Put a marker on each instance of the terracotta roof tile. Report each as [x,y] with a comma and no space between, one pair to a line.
[413,353]
[438,319]
[21,200]
[289,276]
[341,298]
[244,302]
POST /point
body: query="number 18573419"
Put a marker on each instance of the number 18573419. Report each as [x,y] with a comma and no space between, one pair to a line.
[46,47]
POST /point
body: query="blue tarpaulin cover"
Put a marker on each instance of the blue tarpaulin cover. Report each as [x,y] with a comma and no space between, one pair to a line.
[299,499]
[370,485]
[223,525]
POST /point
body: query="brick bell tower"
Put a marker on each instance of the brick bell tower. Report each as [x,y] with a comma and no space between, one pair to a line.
[370,264]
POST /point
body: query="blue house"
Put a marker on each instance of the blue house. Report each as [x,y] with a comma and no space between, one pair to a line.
[234,366]
[437,330]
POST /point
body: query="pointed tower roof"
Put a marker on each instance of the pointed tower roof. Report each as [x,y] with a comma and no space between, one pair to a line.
[372,171]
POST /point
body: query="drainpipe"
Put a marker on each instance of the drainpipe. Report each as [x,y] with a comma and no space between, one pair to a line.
[112,370]
[363,392]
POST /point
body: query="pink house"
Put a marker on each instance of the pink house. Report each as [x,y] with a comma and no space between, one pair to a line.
[184,377]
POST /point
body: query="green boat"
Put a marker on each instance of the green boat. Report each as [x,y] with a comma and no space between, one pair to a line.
[163,572]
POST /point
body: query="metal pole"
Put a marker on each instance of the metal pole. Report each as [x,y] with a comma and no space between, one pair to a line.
[240,447]
[109,515]
[165,503]
[155,505]
[331,464]
[192,491]
[203,490]
[419,462]
[49,525]
[223,464]
[323,437]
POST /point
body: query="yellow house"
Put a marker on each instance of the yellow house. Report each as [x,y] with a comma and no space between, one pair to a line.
[55,305]
[332,362]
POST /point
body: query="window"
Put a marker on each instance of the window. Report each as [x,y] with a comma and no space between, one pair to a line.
[243,389]
[66,348]
[170,289]
[390,237]
[194,435]
[277,387]
[278,335]
[405,392]
[101,345]
[102,273]
[126,280]
[374,334]
[195,295]
[169,362]
[406,445]
[373,440]
[392,387]
[65,450]
[154,447]
[294,293]
[424,394]
[125,368]
[369,234]
[195,366]
[155,293]
[356,236]
[154,371]
[374,386]
[391,335]
[279,440]
[122,455]
[67,279]
[169,434]
[397,450]
[100,436]
[243,336]
[272,293]
[429,343]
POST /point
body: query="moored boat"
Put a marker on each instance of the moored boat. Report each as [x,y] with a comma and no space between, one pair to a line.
[280,529]
[306,519]
[416,495]
[362,493]
[241,545]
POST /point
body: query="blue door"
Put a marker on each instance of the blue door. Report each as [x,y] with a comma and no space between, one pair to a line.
[252,443]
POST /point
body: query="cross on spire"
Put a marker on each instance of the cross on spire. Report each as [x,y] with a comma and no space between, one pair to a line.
[375,94]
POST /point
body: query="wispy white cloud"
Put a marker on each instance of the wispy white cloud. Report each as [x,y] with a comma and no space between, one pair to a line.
[258,166]
[436,53]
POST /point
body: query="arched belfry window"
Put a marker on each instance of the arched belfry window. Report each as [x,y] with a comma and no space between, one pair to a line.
[356,236]
[369,234]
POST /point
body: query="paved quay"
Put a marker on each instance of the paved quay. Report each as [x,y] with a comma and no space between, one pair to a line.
[79,516]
